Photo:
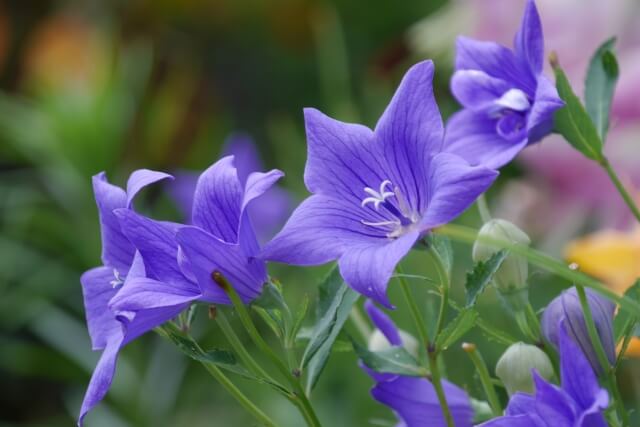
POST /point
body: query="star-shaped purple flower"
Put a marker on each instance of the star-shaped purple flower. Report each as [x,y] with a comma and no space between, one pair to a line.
[376,192]
[508,102]
[414,400]
[579,402]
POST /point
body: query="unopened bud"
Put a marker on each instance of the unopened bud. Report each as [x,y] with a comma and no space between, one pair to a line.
[515,366]
[511,277]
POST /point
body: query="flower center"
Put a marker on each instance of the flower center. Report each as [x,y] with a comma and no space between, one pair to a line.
[396,215]
[511,112]
[118,280]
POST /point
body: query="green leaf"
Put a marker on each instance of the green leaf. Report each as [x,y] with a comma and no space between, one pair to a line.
[602,77]
[481,275]
[573,122]
[442,249]
[464,321]
[271,306]
[624,319]
[335,300]
[300,315]
[395,360]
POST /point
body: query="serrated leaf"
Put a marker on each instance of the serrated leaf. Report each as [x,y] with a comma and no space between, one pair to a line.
[460,325]
[442,249]
[395,360]
[622,321]
[335,300]
[573,122]
[481,275]
[602,77]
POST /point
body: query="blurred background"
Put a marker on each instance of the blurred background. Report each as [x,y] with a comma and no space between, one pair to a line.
[120,85]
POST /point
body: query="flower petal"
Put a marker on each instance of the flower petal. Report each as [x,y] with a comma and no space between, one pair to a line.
[97,290]
[102,377]
[523,420]
[473,137]
[181,190]
[206,254]
[245,153]
[343,159]
[476,89]
[520,403]
[552,403]
[383,323]
[454,185]
[143,293]
[368,267]
[140,179]
[218,199]
[545,104]
[410,130]
[529,42]
[319,231]
[117,251]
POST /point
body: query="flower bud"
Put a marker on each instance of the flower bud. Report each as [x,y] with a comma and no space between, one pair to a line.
[567,306]
[378,342]
[511,277]
[515,365]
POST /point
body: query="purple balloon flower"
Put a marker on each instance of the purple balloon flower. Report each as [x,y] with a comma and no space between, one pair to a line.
[173,263]
[414,400]
[579,402]
[508,102]
[374,193]
[267,213]
[567,306]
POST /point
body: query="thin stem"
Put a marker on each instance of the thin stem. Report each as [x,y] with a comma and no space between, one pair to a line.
[483,208]
[534,322]
[485,378]
[239,348]
[299,398]
[469,235]
[443,285]
[414,311]
[628,336]
[437,385]
[621,189]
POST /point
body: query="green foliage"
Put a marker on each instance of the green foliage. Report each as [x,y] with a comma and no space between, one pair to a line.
[624,322]
[481,275]
[441,247]
[395,360]
[463,322]
[602,77]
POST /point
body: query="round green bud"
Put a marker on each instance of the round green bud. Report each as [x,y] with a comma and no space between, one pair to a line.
[511,277]
[515,365]
[378,342]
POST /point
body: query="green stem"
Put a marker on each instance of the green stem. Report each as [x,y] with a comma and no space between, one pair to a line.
[544,261]
[299,398]
[628,336]
[443,285]
[534,322]
[483,208]
[240,349]
[485,378]
[621,189]
[415,312]
[437,385]
[602,355]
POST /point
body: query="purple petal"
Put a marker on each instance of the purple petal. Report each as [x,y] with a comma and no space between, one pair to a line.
[156,243]
[523,420]
[247,159]
[476,89]
[416,403]
[269,212]
[207,254]
[97,290]
[546,103]
[520,403]
[367,268]
[473,137]
[142,293]
[410,130]
[495,60]
[102,377]
[218,199]
[319,231]
[454,185]
[181,191]
[383,323]
[552,403]
[140,322]
[140,179]
[529,42]
[343,159]
[117,251]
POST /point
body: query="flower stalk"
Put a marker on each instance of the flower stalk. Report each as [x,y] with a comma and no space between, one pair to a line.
[485,378]
[621,189]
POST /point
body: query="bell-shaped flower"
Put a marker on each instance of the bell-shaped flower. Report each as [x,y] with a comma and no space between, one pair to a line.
[414,400]
[567,306]
[579,402]
[507,101]
[375,192]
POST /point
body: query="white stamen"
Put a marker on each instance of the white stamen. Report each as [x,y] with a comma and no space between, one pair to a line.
[377,197]
[514,99]
[118,279]
[380,224]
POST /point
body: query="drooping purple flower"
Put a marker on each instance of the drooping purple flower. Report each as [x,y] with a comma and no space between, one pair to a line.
[414,400]
[567,306]
[374,193]
[267,213]
[579,402]
[507,102]
[172,265]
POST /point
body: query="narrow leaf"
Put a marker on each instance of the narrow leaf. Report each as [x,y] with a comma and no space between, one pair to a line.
[441,247]
[395,360]
[464,321]
[602,77]
[573,122]
[481,275]
[623,319]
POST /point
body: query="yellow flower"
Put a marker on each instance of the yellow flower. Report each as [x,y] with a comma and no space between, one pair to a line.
[613,257]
